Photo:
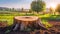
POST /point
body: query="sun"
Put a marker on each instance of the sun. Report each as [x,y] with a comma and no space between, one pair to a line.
[53,6]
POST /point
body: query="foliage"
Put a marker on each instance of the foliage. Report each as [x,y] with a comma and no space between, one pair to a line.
[52,17]
[58,8]
[38,6]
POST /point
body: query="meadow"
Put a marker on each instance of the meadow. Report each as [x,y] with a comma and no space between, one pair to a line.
[8,16]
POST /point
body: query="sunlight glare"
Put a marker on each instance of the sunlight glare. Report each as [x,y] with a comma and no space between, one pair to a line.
[53,6]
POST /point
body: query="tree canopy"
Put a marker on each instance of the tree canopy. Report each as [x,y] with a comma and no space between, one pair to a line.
[38,5]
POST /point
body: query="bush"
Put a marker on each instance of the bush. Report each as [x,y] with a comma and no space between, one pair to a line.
[57,18]
[53,17]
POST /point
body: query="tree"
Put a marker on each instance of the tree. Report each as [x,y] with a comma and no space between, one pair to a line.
[58,8]
[38,6]
[22,9]
[12,9]
[51,10]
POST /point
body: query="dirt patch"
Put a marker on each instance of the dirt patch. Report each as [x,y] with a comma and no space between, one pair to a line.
[54,22]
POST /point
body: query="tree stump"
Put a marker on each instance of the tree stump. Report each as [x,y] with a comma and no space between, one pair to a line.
[22,22]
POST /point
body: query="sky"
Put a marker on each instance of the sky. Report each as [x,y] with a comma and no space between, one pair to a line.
[25,3]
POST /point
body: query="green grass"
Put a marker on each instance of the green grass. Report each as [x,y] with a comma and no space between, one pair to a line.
[9,19]
[8,16]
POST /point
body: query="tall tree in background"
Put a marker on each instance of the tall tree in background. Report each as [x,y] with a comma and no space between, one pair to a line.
[38,5]
[51,10]
[13,9]
[58,8]
[22,9]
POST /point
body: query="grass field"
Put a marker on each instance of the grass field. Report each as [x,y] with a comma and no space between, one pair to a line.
[8,16]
